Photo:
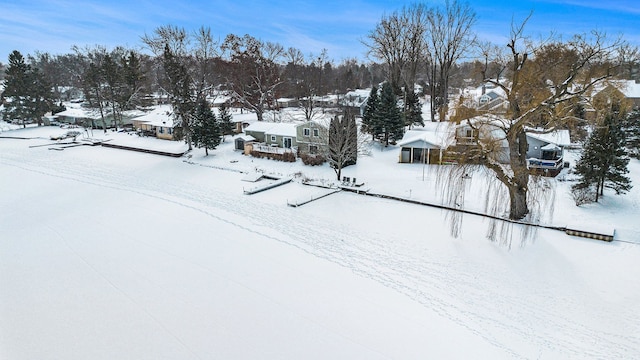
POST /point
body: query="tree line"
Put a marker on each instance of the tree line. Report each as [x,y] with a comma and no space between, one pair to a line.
[545,81]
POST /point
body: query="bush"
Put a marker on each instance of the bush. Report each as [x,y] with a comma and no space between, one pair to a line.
[313,160]
[583,195]
[286,157]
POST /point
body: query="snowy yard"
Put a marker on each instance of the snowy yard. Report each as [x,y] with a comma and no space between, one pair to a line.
[113,254]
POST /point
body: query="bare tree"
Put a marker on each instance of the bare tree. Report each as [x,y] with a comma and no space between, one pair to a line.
[254,72]
[188,66]
[205,51]
[538,78]
[449,37]
[343,142]
[399,41]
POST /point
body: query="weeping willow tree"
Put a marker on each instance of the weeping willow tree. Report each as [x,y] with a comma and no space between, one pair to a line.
[542,82]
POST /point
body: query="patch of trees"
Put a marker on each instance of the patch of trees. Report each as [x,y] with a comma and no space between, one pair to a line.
[424,40]
[382,117]
[603,163]
[27,95]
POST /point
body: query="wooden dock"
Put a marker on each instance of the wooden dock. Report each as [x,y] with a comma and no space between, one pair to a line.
[306,201]
[148,151]
[272,185]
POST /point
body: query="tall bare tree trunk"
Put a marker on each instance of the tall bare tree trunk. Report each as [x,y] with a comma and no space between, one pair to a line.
[519,183]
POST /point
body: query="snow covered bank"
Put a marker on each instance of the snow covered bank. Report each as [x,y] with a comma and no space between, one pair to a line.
[110,254]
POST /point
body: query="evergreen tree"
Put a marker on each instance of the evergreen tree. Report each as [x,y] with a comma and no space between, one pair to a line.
[370,109]
[41,95]
[412,110]
[206,130]
[27,96]
[632,131]
[225,118]
[604,160]
[134,79]
[180,91]
[388,117]
[112,74]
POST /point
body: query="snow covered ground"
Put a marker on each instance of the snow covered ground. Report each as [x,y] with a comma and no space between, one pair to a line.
[113,254]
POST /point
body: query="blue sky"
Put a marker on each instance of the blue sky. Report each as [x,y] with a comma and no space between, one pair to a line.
[56,25]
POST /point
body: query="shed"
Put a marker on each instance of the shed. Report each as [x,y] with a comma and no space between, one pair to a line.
[424,146]
[243,140]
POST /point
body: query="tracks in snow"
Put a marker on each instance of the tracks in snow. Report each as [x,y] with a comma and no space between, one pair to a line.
[475,298]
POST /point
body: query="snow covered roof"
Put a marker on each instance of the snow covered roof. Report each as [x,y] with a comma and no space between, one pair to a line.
[441,136]
[477,92]
[630,89]
[283,129]
[245,137]
[558,137]
[79,113]
[245,117]
[162,115]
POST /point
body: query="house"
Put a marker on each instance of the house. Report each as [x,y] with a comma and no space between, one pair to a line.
[485,98]
[80,116]
[159,123]
[287,102]
[75,114]
[485,130]
[326,100]
[426,145]
[312,137]
[242,120]
[356,100]
[273,134]
[545,154]
[628,90]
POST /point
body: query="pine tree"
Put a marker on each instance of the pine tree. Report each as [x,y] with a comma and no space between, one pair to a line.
[41,95]
[206,130]
[134,78]
[412,110]
[180,91]
[632,131]
[604,160]
[388,117]
[370,109]
[225,119]
[26,96]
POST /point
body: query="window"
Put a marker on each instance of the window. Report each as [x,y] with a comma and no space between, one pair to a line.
[160,130]
[305,132]
[313,149]
[273,138]
[316,132]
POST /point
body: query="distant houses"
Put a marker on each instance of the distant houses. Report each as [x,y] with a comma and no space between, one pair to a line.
[159,123]
[448,142]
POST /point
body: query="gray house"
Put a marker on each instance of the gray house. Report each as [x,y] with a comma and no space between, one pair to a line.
[273,134]
[545,155]
[312,137]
